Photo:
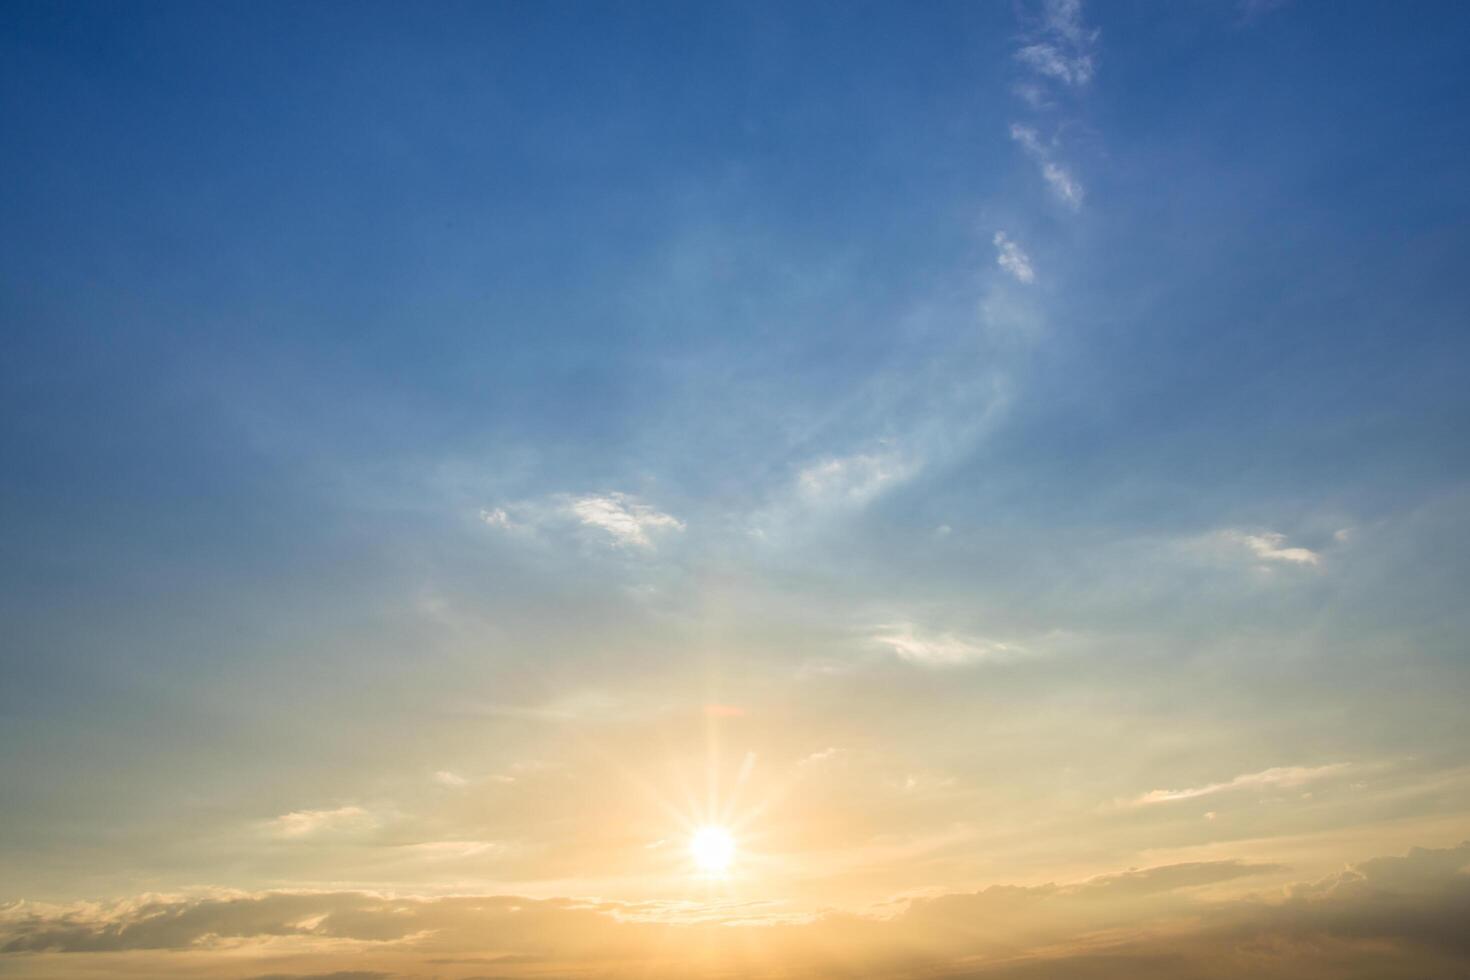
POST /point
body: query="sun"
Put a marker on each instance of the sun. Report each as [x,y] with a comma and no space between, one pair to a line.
[712,849]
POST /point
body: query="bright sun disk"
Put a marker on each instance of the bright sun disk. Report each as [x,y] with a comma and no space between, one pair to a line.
[712,849]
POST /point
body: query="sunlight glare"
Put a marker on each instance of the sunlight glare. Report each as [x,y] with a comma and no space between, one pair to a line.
[712,849]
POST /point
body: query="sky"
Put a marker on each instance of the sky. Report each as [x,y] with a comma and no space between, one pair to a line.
[1000,465]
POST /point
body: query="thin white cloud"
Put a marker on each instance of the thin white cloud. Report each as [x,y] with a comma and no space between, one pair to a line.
[458,850]
[1278,777]
[1064,186]
[855,479]
[1029,140]
[1051,61]
[927,649]
[1060,49]
[829,488]
[628,521]
[453,780]
[1064,19]
[1013,259]
[817,758]
[1063,48]
[496,518]
[1032,94]
[1271,546]
[309,823]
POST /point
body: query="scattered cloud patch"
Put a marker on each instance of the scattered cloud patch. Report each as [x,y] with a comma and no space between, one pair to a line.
[941,649]
[1271,546]
[453,780]
[1010,257]
[311,823]
[628,521]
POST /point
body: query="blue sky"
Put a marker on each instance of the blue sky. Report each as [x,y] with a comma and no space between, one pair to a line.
[1010,410]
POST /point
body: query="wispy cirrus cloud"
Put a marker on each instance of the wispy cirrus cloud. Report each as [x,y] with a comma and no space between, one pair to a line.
[1059,54]
[450,850]
[625,520]
[1046,59]
[930,649]
[853,479]
[1283,777]
[310,823]
[1063,184]
[1063,47]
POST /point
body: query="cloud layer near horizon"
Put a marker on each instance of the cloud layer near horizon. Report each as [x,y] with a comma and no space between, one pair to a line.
[1384,917]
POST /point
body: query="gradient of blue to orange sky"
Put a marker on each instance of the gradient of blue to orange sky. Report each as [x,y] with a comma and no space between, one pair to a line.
[734,490]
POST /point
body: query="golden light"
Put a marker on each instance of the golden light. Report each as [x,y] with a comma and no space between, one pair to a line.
[712,849]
